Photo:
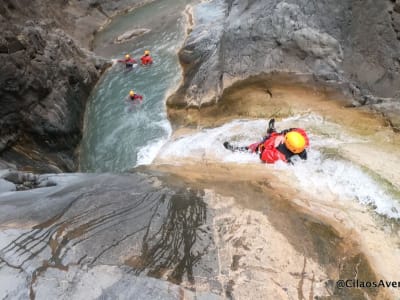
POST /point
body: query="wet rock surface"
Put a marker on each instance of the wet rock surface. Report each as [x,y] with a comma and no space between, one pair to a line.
[133,221]
[98,235]
[328,40]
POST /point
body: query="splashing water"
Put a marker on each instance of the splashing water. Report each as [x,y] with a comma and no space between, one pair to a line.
[317,175]
[345,180]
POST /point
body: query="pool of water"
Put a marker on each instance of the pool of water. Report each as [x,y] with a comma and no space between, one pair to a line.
[118,135]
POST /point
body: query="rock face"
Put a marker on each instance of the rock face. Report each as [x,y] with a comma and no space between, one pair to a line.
[44,83]
[79,18]
[105,235]
[46,78]
[345,41]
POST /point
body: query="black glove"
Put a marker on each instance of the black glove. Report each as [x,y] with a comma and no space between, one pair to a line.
[271,126]
[303,155]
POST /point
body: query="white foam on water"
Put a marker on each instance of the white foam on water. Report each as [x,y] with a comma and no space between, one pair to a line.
[208,143]
[148,153]
[321,176]
[317,175]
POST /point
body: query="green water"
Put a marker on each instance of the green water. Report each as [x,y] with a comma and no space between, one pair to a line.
[117,134]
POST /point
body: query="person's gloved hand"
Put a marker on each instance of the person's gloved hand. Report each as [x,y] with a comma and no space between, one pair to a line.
[271,126]
[260,149]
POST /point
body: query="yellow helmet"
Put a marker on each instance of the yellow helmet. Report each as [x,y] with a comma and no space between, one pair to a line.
[295,142]
[131,93]
[146,52]
[127,56]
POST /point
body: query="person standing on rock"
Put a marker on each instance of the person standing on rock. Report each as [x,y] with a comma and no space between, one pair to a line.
[146,58]
[278,145]
[128,61]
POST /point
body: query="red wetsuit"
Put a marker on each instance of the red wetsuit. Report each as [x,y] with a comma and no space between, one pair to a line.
[270,154]
[146,60]
[128,62]
[136,97]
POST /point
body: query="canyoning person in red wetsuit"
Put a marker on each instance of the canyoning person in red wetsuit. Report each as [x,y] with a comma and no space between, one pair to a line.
[146,58]
[128,61]
[282,146]
[135,98]
[278,145]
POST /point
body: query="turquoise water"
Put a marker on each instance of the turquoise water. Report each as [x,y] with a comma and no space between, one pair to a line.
[118,135]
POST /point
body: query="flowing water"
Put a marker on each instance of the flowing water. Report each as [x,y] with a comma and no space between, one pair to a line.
[213,224]
[120,135]
[320,174]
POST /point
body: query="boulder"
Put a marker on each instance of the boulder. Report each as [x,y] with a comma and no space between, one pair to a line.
[131,34]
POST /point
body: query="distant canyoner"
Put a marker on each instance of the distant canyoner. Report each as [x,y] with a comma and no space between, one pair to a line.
[119,137]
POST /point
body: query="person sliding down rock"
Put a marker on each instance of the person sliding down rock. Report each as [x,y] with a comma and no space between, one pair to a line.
[278,146]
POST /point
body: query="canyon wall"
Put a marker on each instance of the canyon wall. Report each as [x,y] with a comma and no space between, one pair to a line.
[354,45]
[46,76]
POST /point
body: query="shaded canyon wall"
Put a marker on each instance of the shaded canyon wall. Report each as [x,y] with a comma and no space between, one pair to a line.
[46,77]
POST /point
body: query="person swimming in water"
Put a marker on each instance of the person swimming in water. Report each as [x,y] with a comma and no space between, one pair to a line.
[128,61]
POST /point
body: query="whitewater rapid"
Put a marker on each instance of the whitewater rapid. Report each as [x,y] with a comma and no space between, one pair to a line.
[320,175]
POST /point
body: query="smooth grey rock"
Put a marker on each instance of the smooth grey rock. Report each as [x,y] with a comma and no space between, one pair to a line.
[349,42]
[131,34]
[200,55]
[106,220]
[6,186]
